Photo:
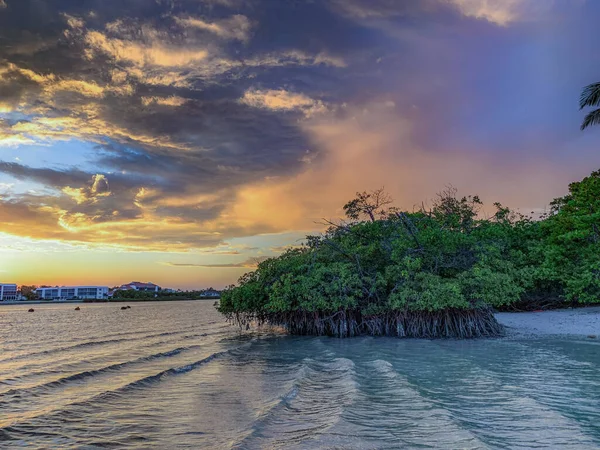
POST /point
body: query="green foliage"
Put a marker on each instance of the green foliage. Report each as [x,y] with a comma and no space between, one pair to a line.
[28,292]
[447,258]
[133,295]
[571,250]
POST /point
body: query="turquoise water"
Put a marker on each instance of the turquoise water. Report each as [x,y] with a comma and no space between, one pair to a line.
[174,375]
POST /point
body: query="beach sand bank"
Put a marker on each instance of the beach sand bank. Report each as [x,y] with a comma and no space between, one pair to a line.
[574,322]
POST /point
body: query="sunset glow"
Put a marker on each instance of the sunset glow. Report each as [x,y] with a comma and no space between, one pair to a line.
[181,141]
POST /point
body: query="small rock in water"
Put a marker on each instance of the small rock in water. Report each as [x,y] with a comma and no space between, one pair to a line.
[592,336]
[31,310]
[78,309]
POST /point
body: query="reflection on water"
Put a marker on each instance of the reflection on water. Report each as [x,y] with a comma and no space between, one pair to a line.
[173,375]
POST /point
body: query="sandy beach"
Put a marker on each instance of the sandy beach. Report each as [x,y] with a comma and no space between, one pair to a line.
[574,322]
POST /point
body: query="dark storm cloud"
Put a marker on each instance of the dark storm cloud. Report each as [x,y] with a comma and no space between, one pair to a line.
[188,101]
[157,85]
[58,179]
[96,42]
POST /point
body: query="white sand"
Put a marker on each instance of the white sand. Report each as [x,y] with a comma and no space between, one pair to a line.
[576,322]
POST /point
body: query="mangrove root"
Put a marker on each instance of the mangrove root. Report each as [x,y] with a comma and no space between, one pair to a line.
[451,323]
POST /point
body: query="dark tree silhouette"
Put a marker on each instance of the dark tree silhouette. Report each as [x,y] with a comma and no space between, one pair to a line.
[590,96]
[370,204]
[28,292]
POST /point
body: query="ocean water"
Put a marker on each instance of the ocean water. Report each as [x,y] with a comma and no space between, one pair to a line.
[175,375]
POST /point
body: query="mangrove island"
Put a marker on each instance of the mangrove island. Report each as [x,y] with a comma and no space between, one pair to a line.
[435,272]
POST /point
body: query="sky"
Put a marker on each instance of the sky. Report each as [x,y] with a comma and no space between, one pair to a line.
[182,141]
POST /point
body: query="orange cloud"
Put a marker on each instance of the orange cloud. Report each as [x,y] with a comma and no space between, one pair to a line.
[173,100]
[152,53]
[371,147]
[282,100]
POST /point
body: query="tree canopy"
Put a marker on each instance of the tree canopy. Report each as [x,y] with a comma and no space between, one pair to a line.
[432,272]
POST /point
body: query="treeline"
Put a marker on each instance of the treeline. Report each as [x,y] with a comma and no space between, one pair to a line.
[434,272]
[160,295]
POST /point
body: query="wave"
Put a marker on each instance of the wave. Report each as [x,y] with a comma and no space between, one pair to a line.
[91,373]
[548,389]
[94,344]
[315,402]
[92,338]
[118,392]
[28,368]
[482,394]
[142,382]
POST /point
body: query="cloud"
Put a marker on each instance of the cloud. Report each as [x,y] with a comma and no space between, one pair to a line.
[382,9]
[295,58]
[395,17]
[13,141]
[74,22]
[150,53]
[249,263]
[235,27]
[373,146]
[173,100]
[98,189]
[282,100]
[216,120]
[503,12]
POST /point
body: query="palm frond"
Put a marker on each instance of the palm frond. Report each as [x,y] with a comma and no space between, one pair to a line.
[592,118]
[590,96]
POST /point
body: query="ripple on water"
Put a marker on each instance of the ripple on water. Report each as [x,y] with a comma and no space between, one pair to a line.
[174,376]
[315,401]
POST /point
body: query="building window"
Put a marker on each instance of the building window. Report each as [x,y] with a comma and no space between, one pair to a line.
[67,293]
[87,292]
[50,294]
[8,293]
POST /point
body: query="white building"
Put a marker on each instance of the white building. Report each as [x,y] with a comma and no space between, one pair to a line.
[8,292]
[73,292]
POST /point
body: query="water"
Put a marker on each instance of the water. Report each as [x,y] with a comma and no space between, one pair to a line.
[174,375]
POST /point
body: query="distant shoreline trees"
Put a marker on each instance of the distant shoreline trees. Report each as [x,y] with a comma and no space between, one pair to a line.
[28,292]
[134,295]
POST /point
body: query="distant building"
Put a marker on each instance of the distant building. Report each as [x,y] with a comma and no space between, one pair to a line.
[137,286]
[73,292]
[8,292]
[211,293]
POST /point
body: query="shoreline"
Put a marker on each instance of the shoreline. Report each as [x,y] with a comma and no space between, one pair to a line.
[124,300]
[38,302]
[577,322]
[581,322]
